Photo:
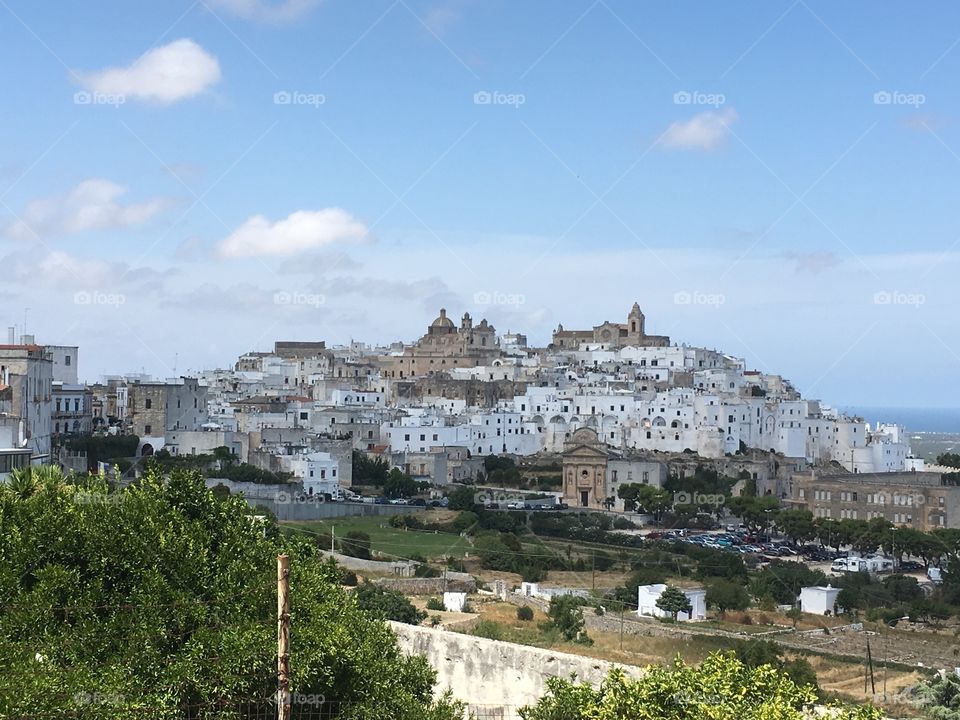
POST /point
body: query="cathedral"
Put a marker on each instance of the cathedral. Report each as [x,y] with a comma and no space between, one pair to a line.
[446,346]
[632,333]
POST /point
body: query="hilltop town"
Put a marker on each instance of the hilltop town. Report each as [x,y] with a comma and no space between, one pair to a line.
[621,406]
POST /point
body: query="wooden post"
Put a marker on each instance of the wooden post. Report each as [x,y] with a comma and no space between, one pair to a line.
[283,637]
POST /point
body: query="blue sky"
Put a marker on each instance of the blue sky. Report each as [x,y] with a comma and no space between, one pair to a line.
[769,178]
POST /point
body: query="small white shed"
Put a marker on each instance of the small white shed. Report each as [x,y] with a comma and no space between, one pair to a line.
[454,601]
[818,600]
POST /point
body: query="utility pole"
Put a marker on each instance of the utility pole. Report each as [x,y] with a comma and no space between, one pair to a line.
[283,637]
[333,547]
[873,688]
[622,604]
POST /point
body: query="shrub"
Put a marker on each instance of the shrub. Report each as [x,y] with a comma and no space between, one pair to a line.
[488,629]
[525,613]
[435,604]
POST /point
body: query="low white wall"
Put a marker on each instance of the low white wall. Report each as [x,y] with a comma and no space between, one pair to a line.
[495,673]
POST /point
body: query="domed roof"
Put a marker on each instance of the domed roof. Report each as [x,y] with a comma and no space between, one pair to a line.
[442,320]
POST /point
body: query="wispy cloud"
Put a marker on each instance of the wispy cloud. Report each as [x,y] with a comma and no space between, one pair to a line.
[279,11]
[705,131]
[93,204]
[163,75]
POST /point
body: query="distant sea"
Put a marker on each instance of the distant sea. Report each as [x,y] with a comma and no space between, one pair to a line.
[914,419]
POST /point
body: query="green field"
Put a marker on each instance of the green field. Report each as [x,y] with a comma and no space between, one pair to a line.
[388,541]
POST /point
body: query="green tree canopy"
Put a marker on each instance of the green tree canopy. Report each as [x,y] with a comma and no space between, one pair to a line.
[163,597]
[720,688]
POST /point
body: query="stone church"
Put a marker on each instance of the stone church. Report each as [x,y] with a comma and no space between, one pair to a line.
[632,333]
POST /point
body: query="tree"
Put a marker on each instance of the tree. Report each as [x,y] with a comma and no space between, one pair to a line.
[757,513]
[566,615]
[162,596]
[645,498]
[949,459]
[782,581]
[462,498]
[387,604]
[795,614]
[722,687]
[725,595]
[797,525]
[369,470]
[398,484]
[939,696]
[356,543]
[674,601]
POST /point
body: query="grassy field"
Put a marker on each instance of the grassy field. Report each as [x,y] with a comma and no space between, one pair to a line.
[385,540]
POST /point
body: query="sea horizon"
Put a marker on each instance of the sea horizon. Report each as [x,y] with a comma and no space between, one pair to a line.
[914,419]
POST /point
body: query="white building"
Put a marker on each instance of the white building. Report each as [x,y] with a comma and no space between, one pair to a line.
[818,600]
[318,471]
[647,596]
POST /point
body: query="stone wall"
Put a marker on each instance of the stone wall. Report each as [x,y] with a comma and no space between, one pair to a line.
[492,673]
[430,586]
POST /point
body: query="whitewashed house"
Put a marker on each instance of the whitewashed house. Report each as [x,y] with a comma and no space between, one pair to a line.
[818,600]
[647,596]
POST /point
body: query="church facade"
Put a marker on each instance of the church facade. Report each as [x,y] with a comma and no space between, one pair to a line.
[632,333]
[444,347]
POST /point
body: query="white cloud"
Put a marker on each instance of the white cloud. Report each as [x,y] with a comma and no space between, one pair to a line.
[164,74]
[705,131]
[298,232]
[91,205]
[266,11]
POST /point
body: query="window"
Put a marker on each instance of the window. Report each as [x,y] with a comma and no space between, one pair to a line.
[148,403]
[147,429]
[66,360]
